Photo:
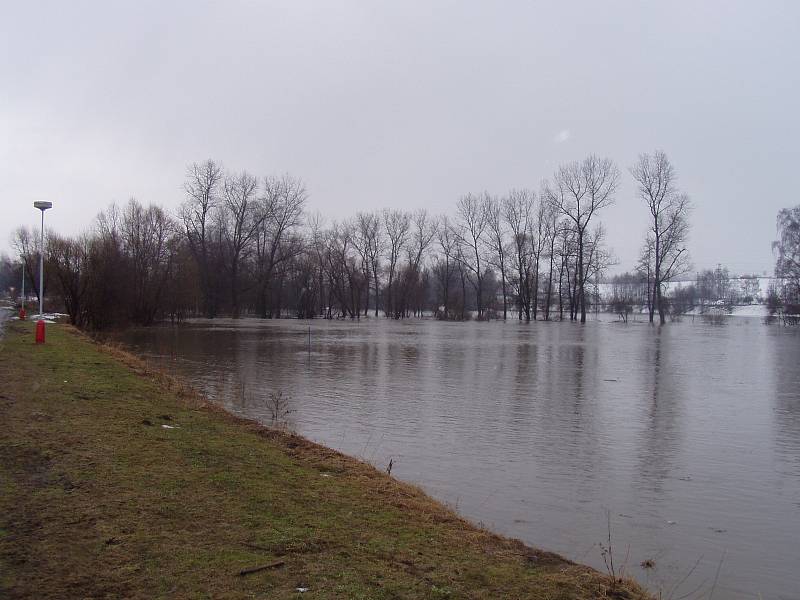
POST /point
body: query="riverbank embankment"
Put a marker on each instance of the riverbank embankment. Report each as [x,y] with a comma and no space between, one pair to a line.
[118,481]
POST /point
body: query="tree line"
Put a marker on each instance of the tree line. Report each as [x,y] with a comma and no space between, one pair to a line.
[243,245]
[710,290]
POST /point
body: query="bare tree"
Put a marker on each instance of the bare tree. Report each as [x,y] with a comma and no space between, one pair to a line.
[423,231]
[470,230]
[145,234]
[538,232]
[183,287]
[463,277]
[598,260]
[318,244]
[397,224]
[552,219]
[26,244]
[10,276]
[369,242]
[242,219]
[567,257]
[445,266]
[109,282]
[628,290]
[644,267]
[281,213]
[669,226]
[498,242]
[421,236]
[518,212]
[68,260]
[202,188]
[579,191]
[346,279]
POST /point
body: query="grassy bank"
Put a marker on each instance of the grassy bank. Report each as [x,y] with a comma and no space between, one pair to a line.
[118,482]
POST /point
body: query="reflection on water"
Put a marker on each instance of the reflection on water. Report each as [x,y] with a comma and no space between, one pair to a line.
[689,435]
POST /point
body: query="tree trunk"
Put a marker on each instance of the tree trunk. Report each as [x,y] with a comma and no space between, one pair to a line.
[377,283]
[505,302]
[581,278]
[235,289]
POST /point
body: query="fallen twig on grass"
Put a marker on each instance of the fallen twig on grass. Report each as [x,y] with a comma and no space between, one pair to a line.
[272,565]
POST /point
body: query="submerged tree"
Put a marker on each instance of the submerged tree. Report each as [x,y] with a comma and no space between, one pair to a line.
[470,231]
[397,224]
[197,213]
[423,231]
[369,243]
[498,243]
[275,241]
[665,243]
[445,268]
[241,221]
[518,209]
[579,191]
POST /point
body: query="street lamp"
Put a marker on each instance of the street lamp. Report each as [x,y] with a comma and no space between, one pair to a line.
[42,205]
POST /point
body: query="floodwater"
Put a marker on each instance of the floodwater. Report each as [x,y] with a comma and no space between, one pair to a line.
[686,436]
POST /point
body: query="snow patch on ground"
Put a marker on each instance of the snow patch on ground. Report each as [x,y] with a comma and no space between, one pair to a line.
[750,310]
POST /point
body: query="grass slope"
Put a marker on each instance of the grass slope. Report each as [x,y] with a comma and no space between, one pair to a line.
[99,500]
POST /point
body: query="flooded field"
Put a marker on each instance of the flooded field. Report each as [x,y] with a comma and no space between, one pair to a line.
[687,436]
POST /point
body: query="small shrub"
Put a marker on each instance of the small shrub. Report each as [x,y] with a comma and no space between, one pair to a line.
[279,404]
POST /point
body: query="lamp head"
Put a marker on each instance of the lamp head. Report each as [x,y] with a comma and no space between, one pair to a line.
[43,205]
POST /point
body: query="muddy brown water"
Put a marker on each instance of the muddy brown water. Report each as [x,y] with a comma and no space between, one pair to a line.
[688,436]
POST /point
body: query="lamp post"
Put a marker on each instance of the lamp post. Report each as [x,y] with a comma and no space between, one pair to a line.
[42,205]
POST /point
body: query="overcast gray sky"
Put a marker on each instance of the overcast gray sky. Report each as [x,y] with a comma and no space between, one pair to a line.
[404,104]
